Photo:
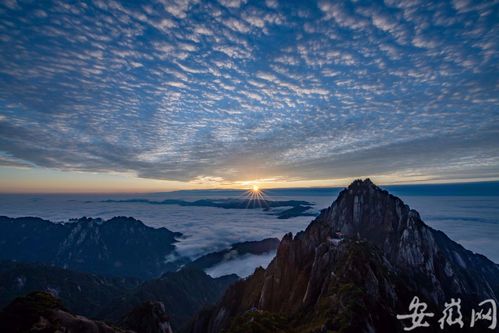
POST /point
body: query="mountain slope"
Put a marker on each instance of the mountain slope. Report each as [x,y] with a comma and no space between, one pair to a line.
[183,293]
[352,270]
[149,317]
[82,293]
[42,312]
[121,246]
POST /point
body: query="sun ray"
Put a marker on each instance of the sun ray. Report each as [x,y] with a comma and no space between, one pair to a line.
[255,197]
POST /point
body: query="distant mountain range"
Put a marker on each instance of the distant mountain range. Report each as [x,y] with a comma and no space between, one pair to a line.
[354,268]
[120,247]
[298,207]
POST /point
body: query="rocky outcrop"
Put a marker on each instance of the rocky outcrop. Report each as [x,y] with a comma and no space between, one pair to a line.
[121,246]
[352,270]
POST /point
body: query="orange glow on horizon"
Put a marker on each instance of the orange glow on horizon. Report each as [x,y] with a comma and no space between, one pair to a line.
[41,180]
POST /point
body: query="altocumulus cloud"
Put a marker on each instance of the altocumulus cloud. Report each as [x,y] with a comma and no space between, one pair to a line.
[242,89]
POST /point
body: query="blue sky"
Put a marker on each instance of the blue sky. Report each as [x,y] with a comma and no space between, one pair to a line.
[219,93]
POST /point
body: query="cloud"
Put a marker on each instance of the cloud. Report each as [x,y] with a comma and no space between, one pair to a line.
[232,3]
[208,229]
[177,8]
[235,90]
[340,15]
[237,25]
[12,162]
[11,4]
[243,266]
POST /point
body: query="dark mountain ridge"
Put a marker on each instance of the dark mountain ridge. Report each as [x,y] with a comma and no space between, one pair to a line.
[230,203]
[353,269]
[182,293]
[298,208]
[121,246]
[81,293]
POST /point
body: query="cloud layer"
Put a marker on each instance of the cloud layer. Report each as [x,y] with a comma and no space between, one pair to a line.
[230,90]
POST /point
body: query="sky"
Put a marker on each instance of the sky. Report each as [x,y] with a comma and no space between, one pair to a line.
[147,96]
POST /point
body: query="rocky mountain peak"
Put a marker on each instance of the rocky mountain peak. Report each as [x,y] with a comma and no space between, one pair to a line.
[364,257]
[364,211]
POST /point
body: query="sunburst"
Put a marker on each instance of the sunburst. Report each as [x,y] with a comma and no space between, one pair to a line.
[255,196]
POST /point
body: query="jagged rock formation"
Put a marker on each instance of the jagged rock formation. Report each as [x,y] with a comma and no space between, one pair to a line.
[352,270]
[121,246]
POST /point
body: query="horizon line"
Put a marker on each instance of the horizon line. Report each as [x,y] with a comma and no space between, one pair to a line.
[423,182]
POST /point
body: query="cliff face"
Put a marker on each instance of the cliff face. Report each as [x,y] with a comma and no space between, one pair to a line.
[353,269]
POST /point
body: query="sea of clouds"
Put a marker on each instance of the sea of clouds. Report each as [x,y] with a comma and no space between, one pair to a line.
[473,221]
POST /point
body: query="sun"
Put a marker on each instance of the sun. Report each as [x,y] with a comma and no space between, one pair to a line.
[255,197]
